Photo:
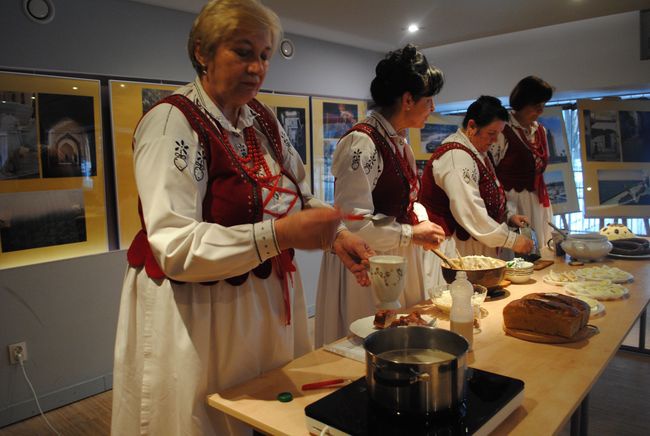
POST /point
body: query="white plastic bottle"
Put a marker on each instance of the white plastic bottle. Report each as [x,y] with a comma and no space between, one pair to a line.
[462,313]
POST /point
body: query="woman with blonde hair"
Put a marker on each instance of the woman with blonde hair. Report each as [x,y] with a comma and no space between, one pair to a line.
[212,296]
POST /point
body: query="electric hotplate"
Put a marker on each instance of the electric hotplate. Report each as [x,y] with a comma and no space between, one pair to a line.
[490,399]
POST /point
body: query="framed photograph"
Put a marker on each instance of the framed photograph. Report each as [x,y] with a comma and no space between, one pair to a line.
[52,195]
[129,101]
[331,119]
[559,178]
[424,141]
[294,113]
[615,140]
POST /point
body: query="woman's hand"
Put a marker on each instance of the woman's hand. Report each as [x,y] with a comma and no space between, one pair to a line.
[309,229]
[523,245]
[354,253]
[518,221]
[428,235]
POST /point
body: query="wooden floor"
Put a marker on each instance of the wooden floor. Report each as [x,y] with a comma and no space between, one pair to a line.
[618,405]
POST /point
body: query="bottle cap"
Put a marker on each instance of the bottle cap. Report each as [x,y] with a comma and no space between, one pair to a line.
[461,275]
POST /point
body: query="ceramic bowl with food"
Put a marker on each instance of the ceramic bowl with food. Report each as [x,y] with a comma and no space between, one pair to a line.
[481,270]
[587,247]
[518,270]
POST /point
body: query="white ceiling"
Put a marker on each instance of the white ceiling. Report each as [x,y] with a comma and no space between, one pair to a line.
[379,25]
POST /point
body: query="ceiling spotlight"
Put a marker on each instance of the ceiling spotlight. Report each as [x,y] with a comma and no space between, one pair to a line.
[413,28]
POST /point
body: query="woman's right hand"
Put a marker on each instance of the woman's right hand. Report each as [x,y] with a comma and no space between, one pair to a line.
[309,229]
[523,245]
[427,234]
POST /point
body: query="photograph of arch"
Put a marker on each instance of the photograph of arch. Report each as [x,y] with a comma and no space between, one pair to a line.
[432,135]
[67,133]
[293,122]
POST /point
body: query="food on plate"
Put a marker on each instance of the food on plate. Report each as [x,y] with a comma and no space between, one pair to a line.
[562,277]
[616,231]
[412,318]
[603,273]
[601,290]
[384,318]
[443,301]
[631,247]
[551,314]
[478,262]
[592,302]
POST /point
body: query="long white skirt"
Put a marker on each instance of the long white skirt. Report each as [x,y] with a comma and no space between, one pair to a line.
[177,343]
[340,300]
[528,204]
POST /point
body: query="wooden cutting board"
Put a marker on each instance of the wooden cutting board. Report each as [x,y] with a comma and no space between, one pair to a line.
[584,333]
[542,263]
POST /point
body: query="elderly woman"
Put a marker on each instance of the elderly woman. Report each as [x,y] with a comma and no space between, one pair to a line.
[461,192]
[521,154]
[211,296]
[376,175]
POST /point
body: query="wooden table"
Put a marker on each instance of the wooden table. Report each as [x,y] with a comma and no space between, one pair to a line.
[557,377]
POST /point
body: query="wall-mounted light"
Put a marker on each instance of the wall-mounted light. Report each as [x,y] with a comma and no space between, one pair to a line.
[287,49]
[39,11]
[413,28]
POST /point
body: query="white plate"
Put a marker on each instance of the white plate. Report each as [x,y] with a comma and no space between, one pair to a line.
[569,290]
[627,277]
[626,256]
[364,326]
[596,309]
[550,281]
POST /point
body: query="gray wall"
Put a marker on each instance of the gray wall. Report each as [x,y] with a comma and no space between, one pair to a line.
[67,311]
[583,58]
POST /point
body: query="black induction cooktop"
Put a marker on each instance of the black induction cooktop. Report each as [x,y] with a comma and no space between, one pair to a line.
[490,399]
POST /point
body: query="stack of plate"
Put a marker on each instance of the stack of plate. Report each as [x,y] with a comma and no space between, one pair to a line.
[519,272]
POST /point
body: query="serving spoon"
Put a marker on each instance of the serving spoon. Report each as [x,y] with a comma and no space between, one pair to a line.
[564,233]
[447,260]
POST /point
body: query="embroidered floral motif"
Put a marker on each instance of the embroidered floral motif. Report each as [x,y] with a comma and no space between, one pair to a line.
[356,159]
[370,163]
[469,175]
[199,166]
[180,155]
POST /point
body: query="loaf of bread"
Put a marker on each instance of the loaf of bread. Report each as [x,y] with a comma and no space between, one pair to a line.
[547,313]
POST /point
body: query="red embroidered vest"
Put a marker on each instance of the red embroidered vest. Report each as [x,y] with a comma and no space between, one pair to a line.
[517,169]
[232,196]
[391,195]
[436,201]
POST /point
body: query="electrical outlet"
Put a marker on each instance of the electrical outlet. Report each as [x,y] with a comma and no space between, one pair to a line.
[15,350]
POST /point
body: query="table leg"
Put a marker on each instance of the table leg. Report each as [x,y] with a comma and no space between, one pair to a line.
[580,418]
[584,416]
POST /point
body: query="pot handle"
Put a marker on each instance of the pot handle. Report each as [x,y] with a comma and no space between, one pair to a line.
[414,377]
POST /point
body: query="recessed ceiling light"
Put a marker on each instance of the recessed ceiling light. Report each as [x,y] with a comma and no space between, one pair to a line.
[75,87]
[122,85]
[413,28]
[588,188]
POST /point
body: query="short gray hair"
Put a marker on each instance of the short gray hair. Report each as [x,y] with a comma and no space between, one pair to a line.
[219,20]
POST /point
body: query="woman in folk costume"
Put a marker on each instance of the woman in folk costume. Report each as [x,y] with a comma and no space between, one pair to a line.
[521,155]
[212,296]
[460,190]
[376,175]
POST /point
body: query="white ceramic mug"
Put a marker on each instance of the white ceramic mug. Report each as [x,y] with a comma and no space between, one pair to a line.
[388,277]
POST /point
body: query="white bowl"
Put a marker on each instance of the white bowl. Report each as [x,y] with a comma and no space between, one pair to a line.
[587,247]
[518,277]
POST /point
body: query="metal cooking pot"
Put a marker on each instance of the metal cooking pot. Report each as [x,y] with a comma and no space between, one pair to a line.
[420,388]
